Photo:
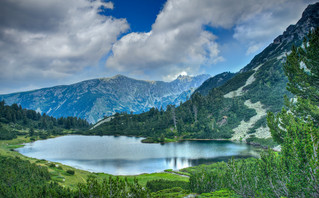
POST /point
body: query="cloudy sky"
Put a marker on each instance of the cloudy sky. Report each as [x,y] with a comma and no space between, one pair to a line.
[54,42]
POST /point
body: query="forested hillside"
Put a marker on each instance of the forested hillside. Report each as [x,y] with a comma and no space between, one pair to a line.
[17,121]
[294,171]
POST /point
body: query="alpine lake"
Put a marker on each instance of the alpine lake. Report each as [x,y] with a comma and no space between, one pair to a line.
[121,155]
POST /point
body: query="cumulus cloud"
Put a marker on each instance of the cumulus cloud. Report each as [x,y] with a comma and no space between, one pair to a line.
[42,41]
[53,39]
[179,42]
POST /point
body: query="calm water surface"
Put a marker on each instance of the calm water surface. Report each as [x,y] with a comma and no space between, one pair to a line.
[128,156]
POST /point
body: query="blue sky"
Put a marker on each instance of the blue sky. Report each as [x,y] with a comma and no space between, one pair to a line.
[140,14]
[54,42]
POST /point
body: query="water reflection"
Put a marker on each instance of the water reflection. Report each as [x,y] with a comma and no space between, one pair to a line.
[128,156]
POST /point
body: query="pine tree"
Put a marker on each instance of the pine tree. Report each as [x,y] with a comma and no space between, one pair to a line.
[296,126]
[31,132]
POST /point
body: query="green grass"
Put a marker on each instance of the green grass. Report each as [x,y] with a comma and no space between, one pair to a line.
[177,172]
[218,194]
[172,192]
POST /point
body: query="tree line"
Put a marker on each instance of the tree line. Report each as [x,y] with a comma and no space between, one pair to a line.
[19,118]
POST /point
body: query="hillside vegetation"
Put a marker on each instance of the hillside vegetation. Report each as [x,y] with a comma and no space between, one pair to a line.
[17,121]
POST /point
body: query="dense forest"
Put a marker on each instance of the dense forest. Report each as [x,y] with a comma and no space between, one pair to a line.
[19,119]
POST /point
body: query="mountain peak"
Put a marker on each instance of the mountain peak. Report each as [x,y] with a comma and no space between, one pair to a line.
[308,21]
[182,77]
[311,11]
[118,76]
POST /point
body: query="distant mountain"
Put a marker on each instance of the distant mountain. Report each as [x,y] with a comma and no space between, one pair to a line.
[94,99]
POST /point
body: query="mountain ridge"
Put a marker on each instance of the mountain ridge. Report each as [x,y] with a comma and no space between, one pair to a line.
[93,99]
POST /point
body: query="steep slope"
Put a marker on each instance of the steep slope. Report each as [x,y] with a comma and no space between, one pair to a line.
[93,99]
[214,82]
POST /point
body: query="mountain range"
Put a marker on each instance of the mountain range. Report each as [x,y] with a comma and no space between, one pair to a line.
[94,99]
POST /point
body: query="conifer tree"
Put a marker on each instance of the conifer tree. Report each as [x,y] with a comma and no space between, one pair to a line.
[296,126]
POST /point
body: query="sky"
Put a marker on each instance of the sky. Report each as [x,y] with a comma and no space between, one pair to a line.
[58,42]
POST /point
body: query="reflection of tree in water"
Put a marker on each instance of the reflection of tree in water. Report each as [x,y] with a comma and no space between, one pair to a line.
[177,162]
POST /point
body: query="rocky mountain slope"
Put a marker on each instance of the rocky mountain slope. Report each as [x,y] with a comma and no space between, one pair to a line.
[261,85]
[93,99]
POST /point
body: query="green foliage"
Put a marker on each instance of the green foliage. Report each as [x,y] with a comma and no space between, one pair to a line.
[19,119]
[6,134]
[265,143]
[20,178]
[200,117]
[294,171]
[237,81]
[176,192]
[52,165]
[31,132]
[219,194]
[71,172]
[161,184]
[296,129]
[262,122]
[111,187]
[214,82]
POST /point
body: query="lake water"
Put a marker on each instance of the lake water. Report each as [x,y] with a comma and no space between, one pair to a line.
[128,156]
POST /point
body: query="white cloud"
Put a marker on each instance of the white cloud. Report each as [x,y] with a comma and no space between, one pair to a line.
[258,31]
[53,39]
[46,41]
[253,48]
[178,40]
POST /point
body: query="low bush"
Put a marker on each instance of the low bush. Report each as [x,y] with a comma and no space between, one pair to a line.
[71,172]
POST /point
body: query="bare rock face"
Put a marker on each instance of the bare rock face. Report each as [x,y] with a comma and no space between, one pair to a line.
[94,99]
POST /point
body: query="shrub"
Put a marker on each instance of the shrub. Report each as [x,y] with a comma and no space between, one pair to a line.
[160,184]
[52,165]
[71,172]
